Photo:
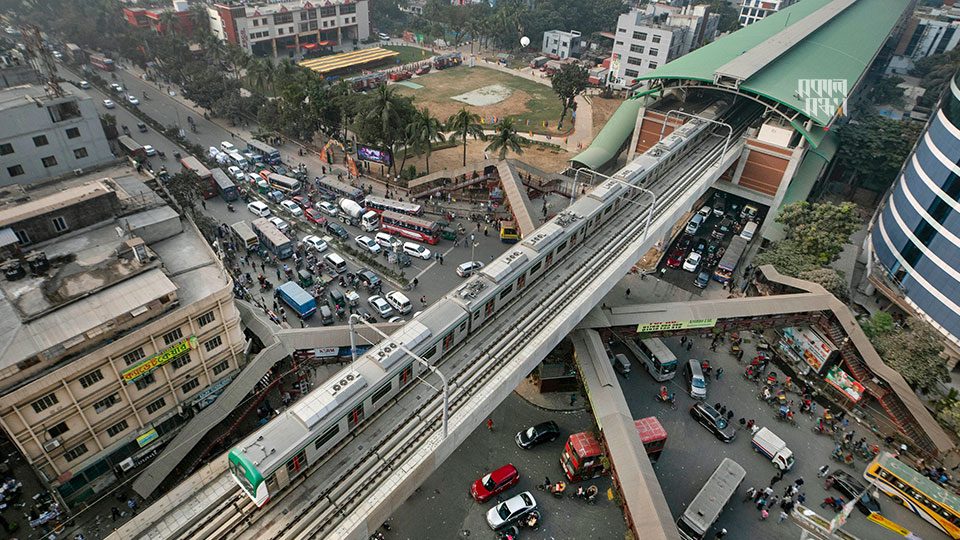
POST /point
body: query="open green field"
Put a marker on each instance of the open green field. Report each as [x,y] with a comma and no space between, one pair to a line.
[527,100]
[408,54]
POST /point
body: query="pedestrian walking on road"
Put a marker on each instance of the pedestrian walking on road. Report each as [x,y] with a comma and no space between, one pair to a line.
[798,482]
[828,483]
[721,533]
[490,424]
[776,478]
[132,505]
[751,493]
[628,293]
[761,503]
[764,514]
[750,423]
[203,203]
[689,344]
[772,501]
[730,415]
[783,516]
[719,372]
[441,259]
[573,399]
[415,282]
[114,513]
[683,339]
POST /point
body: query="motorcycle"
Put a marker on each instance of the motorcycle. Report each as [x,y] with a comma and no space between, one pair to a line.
[666,397]
[589,494]
[840,457]
[557,489]
[510,533]
[231,208]
[822,428]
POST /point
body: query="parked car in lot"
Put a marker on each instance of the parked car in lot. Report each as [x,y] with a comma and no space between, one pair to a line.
[684,243]
[511,510]
[468,268]
[694,224]
[715,422]
[675,259]
[367,243]
[381,306]
[315,243]
[538,434]
[292,208]
[494,483]
[692,262]
[703,279]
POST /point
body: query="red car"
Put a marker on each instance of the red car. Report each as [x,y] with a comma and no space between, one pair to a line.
[423,70]
[495,483]
[301,201]
[313,216]
[675,259]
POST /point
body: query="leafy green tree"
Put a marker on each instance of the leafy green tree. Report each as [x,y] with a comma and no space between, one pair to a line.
[729,15]
[383,118]
[829,279]
[873,149]
[506,139]
[185,188]
[568,83]
[880,323]
[820,229]
[787,258]
[465,124]
[422,133]
[935,73]
[916,352]
[886,91]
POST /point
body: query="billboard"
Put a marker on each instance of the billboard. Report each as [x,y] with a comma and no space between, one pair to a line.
[810,345]
[666,326]
[369,153]
[845,383]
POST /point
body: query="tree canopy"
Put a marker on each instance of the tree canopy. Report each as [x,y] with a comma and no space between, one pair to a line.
[914,350]
[873,149]
[568,83]
[819,230]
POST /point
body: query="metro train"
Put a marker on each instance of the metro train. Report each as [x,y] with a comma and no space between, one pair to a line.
[265,462]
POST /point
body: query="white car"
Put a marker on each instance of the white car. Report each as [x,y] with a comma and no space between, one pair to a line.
[511,510]
[213,152]
[108,103]
[380,306]
[315,243]
[85,85]
[292,207]
[280,224]
[692,262]
[236,172]
[259,209]
[149,150]
[383,36]
[399,301]
[133,100]
[468,268]
[118,88]
[416,250]
[327,208]
[368,244]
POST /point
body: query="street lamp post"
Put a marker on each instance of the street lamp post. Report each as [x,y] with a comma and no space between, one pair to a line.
[402,347]
[473,247]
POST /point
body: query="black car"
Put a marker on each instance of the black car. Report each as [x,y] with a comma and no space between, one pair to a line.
[684,242]
[540,433]
[337,229]
[141,127]
[368,278]
[715,422]
[700,247]
[851,488]
[365,315]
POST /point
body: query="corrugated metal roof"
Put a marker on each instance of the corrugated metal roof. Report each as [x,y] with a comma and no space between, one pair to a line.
[840,49]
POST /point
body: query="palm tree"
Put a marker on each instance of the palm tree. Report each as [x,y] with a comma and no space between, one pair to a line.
[506,139]
[385,109]
[465,124]
[261,73]
[423,132]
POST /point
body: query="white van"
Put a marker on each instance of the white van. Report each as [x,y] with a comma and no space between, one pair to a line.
[336,262]
[385,240]
[696,383]
[259,208]
[227,147]
[399,302]
[238,160]
[416,250]
[694,225]
[748,231]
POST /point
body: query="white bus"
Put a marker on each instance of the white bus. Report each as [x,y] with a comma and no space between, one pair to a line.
[660,362]
[706,507]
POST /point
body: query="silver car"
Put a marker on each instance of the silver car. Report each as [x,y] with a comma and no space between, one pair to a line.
[511,510]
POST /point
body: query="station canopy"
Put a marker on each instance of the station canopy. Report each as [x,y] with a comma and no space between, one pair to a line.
[338,62]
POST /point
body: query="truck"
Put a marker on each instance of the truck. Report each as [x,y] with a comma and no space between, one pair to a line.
[352,213]
[131,148]
[768,444]
[300,300]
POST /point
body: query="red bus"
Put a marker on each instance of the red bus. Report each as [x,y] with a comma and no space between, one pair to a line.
[380,204]
[208,185]
[102,62]
[582,456]
[412,227]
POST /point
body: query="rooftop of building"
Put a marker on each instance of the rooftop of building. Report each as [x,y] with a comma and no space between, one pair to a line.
[33,94]
[95,275]
[945,13]
[264,8]
[769,60]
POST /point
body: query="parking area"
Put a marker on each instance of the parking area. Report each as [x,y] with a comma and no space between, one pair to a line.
[692,258]
[442,507]
[692,453]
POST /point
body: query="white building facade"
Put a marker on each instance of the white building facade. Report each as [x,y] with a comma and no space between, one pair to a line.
[752,11]
[560,44]
[928,32]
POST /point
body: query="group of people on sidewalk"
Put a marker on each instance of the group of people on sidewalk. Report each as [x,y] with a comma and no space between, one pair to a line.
[766,500]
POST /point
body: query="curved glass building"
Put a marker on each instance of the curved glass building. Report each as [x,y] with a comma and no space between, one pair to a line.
[916,236]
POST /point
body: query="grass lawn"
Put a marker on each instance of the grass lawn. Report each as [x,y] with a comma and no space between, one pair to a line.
[528,100]
[408,54]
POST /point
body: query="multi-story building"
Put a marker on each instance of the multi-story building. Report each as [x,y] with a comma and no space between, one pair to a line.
[283,28]
[560,44]
[43,135]
[915,237]
[117,321]
[752,11]
[176,18]
[649,38]
[929,31]
[15,70]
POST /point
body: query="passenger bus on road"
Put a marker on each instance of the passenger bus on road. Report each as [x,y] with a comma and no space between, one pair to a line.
[916,492]
[659,360]
[380,204]
[333,189]
[267,153]
[280,182]
[244,235]
[731,258]
[102,62]
[706,507]
[412,227]
[272,239]
[131,148]
[582,457]
[225,186]
[208,186]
